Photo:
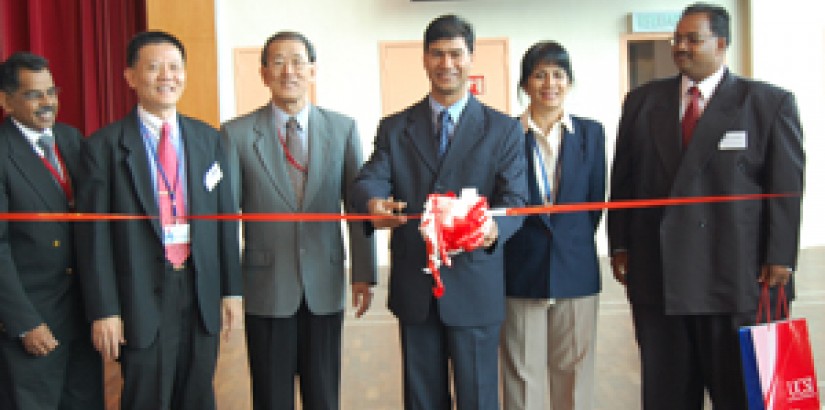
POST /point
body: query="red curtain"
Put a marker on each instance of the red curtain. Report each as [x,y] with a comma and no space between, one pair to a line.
[85,43]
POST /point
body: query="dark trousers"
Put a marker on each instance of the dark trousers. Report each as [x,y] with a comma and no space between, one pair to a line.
[682,356]
[304,345]
[68,378]
[175,372]
[430,347]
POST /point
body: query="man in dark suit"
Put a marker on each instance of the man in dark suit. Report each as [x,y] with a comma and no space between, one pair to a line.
[159,289]
[294,277]
[481,148]
[693,272]
[46,357]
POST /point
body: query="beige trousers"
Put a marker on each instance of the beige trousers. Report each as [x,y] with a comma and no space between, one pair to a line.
[548,353]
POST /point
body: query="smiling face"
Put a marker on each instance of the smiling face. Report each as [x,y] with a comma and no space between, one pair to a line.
[547,87]
[158,78]
[697,52]
[288,73]
[34,103]
[448,63]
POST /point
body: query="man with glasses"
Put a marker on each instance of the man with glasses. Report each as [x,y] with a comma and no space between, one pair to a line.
[46,356]
[693,273]
[291,156]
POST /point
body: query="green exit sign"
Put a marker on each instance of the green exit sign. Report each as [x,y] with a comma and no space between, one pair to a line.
[654,22]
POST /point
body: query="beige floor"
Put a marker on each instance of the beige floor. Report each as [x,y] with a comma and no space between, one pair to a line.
[371,377]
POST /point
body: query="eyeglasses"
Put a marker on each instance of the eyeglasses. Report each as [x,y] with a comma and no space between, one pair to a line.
[279,63]
[691,39]
[37,95]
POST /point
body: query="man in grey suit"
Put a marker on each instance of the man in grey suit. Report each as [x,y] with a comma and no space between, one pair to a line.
[693,272]
[446,142]
[290,156]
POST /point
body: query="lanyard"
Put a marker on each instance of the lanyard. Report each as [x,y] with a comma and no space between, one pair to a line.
[171,189]
[548,194]
[292,161]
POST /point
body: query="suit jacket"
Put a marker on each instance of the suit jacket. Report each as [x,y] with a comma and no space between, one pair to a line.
[486,153]
[554,255]
[705,258]
[122,262]
[37,259]
[284,260]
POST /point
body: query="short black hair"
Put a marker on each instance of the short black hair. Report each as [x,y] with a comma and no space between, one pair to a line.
[10,69]
[287,35]
[718,16]
[544,52]
[146,38]
[449,26]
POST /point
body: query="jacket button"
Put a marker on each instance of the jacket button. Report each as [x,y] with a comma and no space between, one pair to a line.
[56,244]
[69,271]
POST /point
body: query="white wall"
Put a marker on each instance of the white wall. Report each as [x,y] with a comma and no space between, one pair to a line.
[789,50]
[346,34]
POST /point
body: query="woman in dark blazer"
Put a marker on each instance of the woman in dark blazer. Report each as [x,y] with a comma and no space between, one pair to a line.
[551,268]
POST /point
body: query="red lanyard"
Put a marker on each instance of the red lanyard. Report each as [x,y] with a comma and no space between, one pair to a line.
[63,181]
[289,157]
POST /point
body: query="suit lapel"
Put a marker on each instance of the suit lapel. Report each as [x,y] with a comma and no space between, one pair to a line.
[468,133]
[33,170]
[131,141]
[271,154]
[419,127]
[720,111]
[319,137]
[197,164]
[665,126]
[532,178]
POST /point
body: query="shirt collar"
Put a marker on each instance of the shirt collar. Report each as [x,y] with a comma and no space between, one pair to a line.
[528,124]
[455,110]
[707,86]
[153,123]
[32,135]
[281,117]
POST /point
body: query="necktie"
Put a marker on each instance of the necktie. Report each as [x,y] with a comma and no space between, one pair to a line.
[444,121]
[170,194]
[46,143]
[298,158]
[691,115]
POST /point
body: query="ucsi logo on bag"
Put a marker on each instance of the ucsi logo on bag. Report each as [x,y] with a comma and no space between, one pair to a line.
[801,389]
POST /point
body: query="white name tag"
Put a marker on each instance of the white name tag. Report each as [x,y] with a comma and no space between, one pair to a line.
[734,140]
[176,234]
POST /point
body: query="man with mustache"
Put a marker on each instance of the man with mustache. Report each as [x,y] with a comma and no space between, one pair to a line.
[46,357]
[693,273]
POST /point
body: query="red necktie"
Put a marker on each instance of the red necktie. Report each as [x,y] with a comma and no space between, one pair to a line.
[169,180]
[691,115]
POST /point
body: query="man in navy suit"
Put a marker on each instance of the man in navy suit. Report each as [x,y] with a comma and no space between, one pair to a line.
[160,289]
[693,272]
[481,148]
[46,358]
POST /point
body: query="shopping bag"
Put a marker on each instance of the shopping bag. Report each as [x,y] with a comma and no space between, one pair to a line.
[777,364]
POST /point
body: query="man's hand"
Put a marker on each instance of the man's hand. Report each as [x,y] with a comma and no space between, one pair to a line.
[107,336]
[387,209]
[775,275]
[232,314]
[491,235]
[39,341]
[361,297]
[619,263]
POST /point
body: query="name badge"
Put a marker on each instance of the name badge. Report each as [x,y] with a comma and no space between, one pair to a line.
[176,234]
[213,176]
[734,140]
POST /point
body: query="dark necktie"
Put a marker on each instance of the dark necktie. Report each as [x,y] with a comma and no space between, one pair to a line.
[691,115]
[170,194]
[298,154]
[444,121]
[46,143]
